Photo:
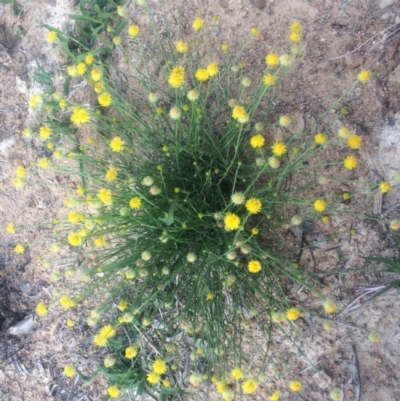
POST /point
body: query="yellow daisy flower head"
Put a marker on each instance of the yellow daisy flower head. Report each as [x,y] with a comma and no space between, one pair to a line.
[104,99]
[177,77]
[364,76]
[212,69]
[35,100]
[70,323]
[133,30]
[295,36]
[111,174]
[10,228]
[131,352]
[159,366]
[153,378]
[202,74]
[117,40]
[195,379]
[238,198]
[20,172]
[96,74]
[255,230]
[99,87]
[45,132]
[51,37]
[343,132]
[175,113]
[19,248]
[105,196]
[210,296]
[295,386]
[237,373]
[250,386]
[254,266]
[81,68]
[198,24]
[193,95]
[394,224]
[320,138]
[79,116]
[278,149]
[292,314]
[181,46]
[109,361]
[354,141]
[257,141]
[122,305]
[272,60]
[275,396]
[239,113]
[254,31]
[319,205]
[113,391]
[269,80]
[221,386]
[117,144]
[284,121]
[350,162]
[73,217]
[384,187]
[67,302]
[135,203]
[69,371]
[75,239]
[224,47]
[98,242]
[296,27]
[231,221]
[41,309]
[253,205]
[89,59]
[329,306]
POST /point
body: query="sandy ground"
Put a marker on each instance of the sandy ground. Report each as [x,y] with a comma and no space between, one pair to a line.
[339,37]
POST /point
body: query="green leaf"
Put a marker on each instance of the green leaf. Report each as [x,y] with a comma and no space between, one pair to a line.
[78,17]
[170,218]
[15,8]
[171,391]
[66,85]
[386,261]
[120,26]
[6,1]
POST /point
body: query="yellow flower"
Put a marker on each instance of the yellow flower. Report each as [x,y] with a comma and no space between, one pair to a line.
[98,87]
[45,132]
[122,305]
[384,187]
[66,302]
[329,306]
[224,47]
[394,224]
[293,314]
[269,80]
[278,149]
[69,371]
[250,386]
[35,100]
[111,174]
[175,113]
[193,95]
[109,361]
[113,391]
[237,373]
[181,47]
[254,31]
[295,37]
[272,60]
[73,217]
[153,378]
[100,341]
[70,323]
[10,228]
[71,71]
[105,196]
[320,138]
[135,203]
[284,121]
[238,198]
[19,248]
[195,379]
[254,266]
[166,383]
[44,163]
[41,309]
[335,394]
[350,162]
[117,144]
[232,221]
[210,296]
[253,205]
[51,37]
[275,396]
[364,76]
[131,352]
[255,230]
[177,77]
[105,99]
[212,69]
[81,68]
[99,242]
[159,366]
[354,142]
[343,132]
[319,205]
[133,30]
[79,116]
[296,27]
[18,182]
[27,132]
[96,74]
[202,74]
[221,386]
[198,24]
[295,386]
[257,141]
[239,113]
[89,58]
[75,239]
